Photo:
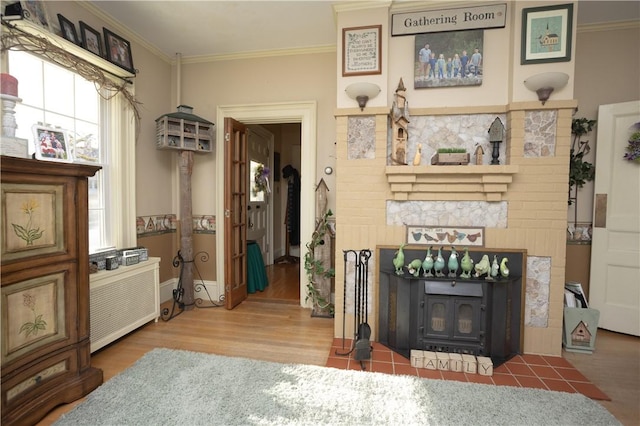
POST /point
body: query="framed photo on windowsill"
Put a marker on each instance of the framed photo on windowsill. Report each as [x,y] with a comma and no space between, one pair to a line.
[361,51]
[51,144]
[118,51]
[546,34]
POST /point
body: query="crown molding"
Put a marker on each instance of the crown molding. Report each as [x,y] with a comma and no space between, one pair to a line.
[609,26]
[123,31]
[259,54]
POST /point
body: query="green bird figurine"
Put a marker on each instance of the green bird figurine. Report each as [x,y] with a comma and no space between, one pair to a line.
[427,264]
[398,261]
[466,264]
[414,267]
[494,268]
[483,267]
[504,269]
[438,266]
[453,263]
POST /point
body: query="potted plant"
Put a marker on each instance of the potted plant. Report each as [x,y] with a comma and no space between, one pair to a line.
[580,171]
[450,156]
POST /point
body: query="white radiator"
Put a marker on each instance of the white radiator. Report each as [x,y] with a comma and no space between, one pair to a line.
[123,300]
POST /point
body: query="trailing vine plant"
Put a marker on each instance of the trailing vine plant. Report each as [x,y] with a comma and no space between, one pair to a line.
[314,267]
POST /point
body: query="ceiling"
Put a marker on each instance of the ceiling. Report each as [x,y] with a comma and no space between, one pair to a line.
[219,28]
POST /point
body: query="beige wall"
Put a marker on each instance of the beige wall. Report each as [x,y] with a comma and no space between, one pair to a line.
[607,64]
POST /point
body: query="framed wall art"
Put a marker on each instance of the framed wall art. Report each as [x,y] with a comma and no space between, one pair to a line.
[546,34]
[51,144]
[118,50]
[448,59]
[445,235]
[361,51]
[91,39]
[68,29]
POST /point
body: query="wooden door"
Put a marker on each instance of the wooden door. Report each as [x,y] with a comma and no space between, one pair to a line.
[259,206]
[235,212]
[615,256]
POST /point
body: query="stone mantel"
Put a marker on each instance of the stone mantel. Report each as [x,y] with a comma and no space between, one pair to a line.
[486,182]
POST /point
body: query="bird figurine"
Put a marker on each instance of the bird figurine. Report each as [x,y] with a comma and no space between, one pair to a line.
[398,261]
[414,267]
[453,263]
[418,157]
[466,264]
[494,268]
[483,266]
[427,264]
[504,270]
[438,265]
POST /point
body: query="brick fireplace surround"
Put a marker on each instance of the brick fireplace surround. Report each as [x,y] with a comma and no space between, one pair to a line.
[521,203]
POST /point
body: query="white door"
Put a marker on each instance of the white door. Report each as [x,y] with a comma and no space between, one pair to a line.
[260,208]
[615,252]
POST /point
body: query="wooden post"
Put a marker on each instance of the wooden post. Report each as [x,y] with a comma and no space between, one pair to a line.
[186,228]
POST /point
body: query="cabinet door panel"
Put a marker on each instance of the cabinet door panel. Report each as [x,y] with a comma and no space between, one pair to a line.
[36,306]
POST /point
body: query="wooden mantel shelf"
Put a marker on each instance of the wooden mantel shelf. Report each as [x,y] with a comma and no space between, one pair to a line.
[471,182]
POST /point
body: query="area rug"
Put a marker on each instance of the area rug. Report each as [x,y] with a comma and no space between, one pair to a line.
[173,387]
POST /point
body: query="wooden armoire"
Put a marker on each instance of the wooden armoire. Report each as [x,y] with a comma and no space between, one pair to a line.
[46,359]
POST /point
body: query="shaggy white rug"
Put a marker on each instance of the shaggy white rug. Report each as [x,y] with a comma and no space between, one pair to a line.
[172,387]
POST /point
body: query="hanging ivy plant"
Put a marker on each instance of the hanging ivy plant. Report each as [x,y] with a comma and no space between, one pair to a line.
[633,148]
[315,268]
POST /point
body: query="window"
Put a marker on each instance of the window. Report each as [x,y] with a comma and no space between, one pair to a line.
[54,96]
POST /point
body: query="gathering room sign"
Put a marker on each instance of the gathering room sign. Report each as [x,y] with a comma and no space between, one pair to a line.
[433,21]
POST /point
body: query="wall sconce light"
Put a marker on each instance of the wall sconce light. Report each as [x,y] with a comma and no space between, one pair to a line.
[362,92]
[545,83]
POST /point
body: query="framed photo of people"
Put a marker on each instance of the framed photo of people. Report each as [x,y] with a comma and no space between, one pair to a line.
[448,59]
[546,34]
[91,39]
[118,50]
[51,143]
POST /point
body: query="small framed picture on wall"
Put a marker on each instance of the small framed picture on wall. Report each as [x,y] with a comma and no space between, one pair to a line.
[91,39]
[546,34]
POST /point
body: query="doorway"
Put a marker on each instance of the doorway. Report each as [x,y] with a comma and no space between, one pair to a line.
[294,112]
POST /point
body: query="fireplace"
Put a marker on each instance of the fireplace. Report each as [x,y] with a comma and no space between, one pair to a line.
[455,315]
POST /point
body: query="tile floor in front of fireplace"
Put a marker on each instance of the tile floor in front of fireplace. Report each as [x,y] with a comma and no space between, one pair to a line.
[529,371]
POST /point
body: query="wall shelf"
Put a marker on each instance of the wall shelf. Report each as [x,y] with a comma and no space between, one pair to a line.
[414,182]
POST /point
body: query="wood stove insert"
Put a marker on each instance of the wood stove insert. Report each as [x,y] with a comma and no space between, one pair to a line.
[469,316]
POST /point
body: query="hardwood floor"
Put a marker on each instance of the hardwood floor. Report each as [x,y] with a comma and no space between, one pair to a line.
[284,332]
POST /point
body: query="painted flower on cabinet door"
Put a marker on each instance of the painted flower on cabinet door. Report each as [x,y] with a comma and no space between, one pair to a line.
[30,232]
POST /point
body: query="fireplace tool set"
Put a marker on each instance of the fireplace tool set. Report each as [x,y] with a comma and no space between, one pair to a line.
[362,331]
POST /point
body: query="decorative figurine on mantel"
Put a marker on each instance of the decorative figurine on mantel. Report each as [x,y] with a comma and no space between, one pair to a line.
[418,157]
[496,136]
[479,154]
[399,126]
[398,261]
[453,263]
[494,268]
[427,264]
[414,267]
[438,266]
[483,267]
[504,269]
[466,264]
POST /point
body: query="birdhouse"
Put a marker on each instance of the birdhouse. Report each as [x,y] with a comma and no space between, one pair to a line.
[399,126]
[322,195]
[479,154]
[184,131]
[496,131]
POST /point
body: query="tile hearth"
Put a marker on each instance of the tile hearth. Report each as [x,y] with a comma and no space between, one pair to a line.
[530,371]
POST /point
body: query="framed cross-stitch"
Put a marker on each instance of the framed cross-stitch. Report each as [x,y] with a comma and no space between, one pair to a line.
[546,34]
[361,51]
